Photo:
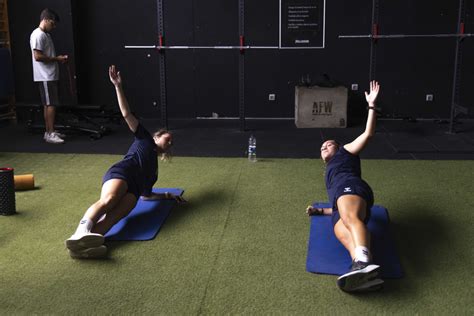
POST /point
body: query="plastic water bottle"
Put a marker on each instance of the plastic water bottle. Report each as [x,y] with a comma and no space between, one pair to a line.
[252,149]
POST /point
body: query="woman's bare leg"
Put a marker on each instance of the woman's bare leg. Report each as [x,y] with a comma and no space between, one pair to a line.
[112,192]
[353,234]
[83,243]
[114,215]
[352,210]
[345,237]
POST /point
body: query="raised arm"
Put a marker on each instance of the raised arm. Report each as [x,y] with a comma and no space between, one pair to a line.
[116,79]
[356,146]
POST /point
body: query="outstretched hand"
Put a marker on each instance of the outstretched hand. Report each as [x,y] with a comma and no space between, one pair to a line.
[114,76]
[164,196]
[310,211]
[180,199]
[177,198]
[374,92]
[62,58]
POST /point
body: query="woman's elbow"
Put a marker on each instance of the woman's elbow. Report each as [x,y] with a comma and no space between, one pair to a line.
[369,134]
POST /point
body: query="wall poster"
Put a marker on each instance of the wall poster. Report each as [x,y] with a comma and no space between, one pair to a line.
[302,23]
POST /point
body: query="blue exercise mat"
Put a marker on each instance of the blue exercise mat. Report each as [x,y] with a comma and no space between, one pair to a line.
[145,220]
[326,255]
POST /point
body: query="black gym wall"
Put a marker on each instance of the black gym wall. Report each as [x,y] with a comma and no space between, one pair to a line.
[200,82]
[467,72]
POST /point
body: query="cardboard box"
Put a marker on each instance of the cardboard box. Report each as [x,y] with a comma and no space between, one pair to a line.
[320,107]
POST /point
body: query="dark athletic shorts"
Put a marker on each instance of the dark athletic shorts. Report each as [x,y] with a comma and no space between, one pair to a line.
[360,188]
[49,92]
[118,173]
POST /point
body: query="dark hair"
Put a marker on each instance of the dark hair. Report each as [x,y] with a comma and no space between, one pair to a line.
[161,132]
[166,156]
[334,141]
[48,14]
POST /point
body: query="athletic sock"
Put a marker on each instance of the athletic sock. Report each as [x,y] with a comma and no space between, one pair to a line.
[362,254]
[84,227]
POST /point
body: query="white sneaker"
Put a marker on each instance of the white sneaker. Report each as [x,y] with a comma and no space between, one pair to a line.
[361,274]
[53,139]
[60,135]
[89,253]
[80,242]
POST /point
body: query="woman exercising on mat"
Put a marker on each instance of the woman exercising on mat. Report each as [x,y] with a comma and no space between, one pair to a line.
[351,199]
[123,183]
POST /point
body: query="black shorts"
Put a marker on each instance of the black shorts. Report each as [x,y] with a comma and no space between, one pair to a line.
[49,93]
[359,188]
[116,172]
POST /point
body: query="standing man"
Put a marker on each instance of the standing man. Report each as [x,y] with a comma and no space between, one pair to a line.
[46,71]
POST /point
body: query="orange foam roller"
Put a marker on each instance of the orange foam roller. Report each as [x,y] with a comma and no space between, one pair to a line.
[24,182]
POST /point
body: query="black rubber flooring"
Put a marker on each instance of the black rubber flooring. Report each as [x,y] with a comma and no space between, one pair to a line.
[394,139]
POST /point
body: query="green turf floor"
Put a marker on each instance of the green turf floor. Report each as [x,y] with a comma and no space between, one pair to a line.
[239,245]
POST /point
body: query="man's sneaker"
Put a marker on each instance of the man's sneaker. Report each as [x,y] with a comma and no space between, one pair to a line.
[371,286]
[89,253]
[360,274]
[53,138]
[60,135]
[79,242]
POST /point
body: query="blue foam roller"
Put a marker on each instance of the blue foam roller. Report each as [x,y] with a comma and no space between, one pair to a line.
[326,255]
[145,220]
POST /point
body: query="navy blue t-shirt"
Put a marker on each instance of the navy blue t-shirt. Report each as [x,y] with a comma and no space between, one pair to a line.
[343,168]
[139,167]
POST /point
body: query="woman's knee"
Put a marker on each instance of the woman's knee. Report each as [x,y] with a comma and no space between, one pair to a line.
[115,214]
[352,209]
[350,219]
[109,200]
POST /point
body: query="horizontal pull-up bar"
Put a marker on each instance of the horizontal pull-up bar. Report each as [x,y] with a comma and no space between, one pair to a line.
[200,47]
[405,36]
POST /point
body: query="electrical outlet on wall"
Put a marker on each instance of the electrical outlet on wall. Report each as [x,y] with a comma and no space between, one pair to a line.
[271,97]
[429,98]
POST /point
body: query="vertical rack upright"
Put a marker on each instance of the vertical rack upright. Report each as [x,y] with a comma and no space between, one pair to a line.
[7,102]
